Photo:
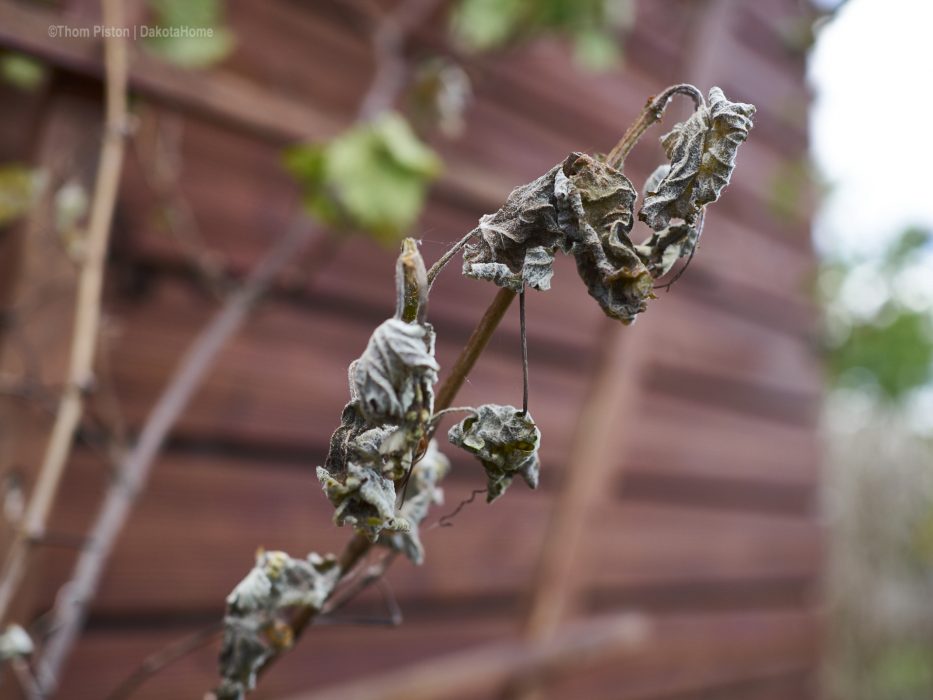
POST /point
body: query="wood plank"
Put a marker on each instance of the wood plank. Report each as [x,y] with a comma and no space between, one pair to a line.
[702,656]
[202,518]
[684,653]
[679,437]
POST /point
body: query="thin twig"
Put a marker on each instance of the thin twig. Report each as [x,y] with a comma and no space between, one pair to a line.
[473,349]
[26,679]
[164,657]
[445,258]
[521,321]
[445,520]
[134,469]
[651,114]
[87,312]
[388,46]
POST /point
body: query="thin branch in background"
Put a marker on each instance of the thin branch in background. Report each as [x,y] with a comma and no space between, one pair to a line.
[157,145]
[26,679]
[165,657]
[87,313]
[133,470]
[392,30]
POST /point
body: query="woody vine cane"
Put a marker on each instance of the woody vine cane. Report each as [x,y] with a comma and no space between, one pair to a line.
[383,466]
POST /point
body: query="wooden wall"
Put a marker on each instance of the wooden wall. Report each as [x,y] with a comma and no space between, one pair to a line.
[708,521]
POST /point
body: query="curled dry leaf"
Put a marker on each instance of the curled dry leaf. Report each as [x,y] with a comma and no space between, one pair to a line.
[583,207]
[362,498]
[423,492]
[702,153]
[665,247]
[256,621]
[394,377]
[596,204]
[391,402]
[505,440]
[15,643]
[515,247]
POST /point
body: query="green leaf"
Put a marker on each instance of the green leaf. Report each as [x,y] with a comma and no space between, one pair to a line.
[483,25]
[373,177]
[177,18]
[596,50]
[486,24]
[19,187]
[22,71]
[895,353]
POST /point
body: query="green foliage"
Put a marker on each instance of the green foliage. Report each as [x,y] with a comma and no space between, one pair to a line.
[19,186]
[891,348]
[894,351]
[903,672]
[373,177]
[178,46]
[22,72]
[592,25]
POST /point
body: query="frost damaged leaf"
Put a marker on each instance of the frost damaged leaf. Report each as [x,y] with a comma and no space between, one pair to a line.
[15,643]
[256,621]
[362,498]
[506,443]
[423,492]
[394,377]
[664,248]
[702,153]
[581,206]
[596,203]
[516,245]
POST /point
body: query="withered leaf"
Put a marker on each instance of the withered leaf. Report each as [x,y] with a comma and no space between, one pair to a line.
[15,643]
[363,498]
[595,204]
[581,206]
[525,227]
[394,377]
[255,623]
[702,153]
[506,443]
[423,492]
[665,247]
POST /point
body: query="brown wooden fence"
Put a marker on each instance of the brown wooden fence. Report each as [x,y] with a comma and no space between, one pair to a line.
[704,516]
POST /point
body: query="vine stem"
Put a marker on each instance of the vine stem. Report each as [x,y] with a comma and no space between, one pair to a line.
[80,375]
[359,546]
[650,115]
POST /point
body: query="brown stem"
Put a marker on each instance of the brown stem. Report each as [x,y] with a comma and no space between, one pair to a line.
[359,546]
[474,348]
[87,314]
[651,114]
